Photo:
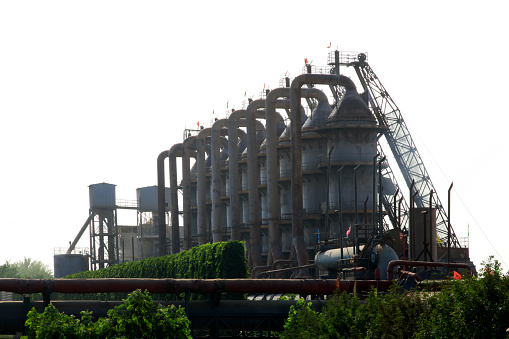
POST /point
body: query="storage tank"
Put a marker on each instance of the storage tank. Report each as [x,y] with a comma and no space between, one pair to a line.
[102,196]
[66,264]
[147,198]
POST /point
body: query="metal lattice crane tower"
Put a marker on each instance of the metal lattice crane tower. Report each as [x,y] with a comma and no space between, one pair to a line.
[400,141]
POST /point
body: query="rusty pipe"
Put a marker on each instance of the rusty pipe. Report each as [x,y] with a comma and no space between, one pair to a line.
[202,286]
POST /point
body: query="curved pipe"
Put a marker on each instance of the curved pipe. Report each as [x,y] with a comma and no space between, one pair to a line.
[271,150]
[296,153]
[175,151]
[233,168]
[217,142]
[252,114]
[188,147]
[216,184]
[161,203]
[235,120]
[394,263]
[201,185]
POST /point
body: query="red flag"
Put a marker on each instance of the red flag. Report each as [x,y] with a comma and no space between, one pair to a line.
[330,43]
[349,230]
[263,85]
[245,92]
[306,61]
[198,123]
[213,110]
[286,73]
[457,275]
[227,103]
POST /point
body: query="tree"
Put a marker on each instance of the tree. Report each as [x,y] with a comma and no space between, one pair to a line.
[26,268]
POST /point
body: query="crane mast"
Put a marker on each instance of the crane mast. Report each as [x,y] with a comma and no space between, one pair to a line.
[402,146]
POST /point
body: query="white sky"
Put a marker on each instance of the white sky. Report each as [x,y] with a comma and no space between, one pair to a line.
[93,91]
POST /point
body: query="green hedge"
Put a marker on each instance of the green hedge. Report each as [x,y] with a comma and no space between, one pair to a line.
[225,260]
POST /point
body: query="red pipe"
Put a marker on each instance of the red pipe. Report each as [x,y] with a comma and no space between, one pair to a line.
[395,263]
[202,286]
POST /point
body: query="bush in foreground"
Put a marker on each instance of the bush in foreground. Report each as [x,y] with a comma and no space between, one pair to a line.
[137,317]
[466,308]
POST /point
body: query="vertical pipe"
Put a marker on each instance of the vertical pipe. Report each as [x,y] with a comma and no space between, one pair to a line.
[296,154]
[253,180]
[399,211]
[424,244]
[132,246]
[380,199]
[161,203]
[233,172]
[430,226]
[201,186]
[216,181]
[273,202]
[449,223]
[340,212]
[373,212]
[396,208]
[355,194]
[175,150]
[365,220]
[411,222]
[188,145]
[274,211]
[327,208]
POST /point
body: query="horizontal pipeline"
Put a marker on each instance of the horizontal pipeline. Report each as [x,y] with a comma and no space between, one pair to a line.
[200,286]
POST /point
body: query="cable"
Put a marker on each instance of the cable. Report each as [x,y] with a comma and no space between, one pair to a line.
[461,200]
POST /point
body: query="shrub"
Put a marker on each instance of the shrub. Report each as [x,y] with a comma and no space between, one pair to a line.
[466,308]
[137,317]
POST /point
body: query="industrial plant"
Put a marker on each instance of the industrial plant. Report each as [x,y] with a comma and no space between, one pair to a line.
[318,177]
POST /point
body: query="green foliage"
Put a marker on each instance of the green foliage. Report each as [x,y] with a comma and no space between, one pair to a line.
[467,308]
[137,317]
[224,260]
[25,269]
[473,307]
[304,322]
[218,260]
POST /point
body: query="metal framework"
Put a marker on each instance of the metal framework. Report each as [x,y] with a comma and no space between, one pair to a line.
[400,141]
[395,204]
[104,249]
